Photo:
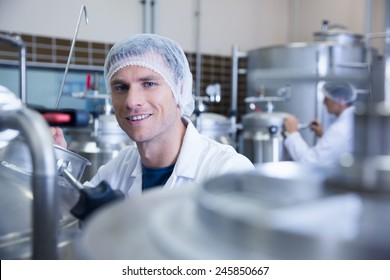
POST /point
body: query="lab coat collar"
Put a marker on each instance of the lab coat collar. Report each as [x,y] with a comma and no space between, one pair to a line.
[349,110]
[347,113]
[188,159]
[137,169]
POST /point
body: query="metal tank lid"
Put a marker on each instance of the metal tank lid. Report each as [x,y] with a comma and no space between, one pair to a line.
[213,118]
[258,119]
[211,121]
[338,34]
[342,38]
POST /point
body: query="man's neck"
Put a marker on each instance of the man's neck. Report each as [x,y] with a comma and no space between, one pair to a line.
[163,151]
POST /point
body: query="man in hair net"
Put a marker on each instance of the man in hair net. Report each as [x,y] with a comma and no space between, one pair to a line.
[336,140]
[150,83]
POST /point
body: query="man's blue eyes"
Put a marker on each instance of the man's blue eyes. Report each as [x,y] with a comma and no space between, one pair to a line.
[149,84]
[121,88]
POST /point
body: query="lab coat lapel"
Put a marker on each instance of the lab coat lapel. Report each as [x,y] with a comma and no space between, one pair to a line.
[187,162]
[136,176]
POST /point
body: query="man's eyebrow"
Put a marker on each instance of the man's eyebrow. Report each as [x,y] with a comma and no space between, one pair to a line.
[150,78]
[141,79]
[117,81]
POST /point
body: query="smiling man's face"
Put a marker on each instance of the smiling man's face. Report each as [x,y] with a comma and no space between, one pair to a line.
[144,104]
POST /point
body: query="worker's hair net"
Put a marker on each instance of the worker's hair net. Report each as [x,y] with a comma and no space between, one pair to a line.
[159,54]
[340,92]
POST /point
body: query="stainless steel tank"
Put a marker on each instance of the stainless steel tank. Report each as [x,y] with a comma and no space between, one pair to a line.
[99,143]
[215,126]
[35,219]
[16,172]
[261,139]
[368,167]
[280,211]
[333,55]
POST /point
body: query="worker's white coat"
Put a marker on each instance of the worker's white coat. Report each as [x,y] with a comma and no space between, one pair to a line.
[337,140]
[200,158]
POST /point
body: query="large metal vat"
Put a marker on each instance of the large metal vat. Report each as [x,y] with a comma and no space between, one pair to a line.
[99,143]
[261,139]
[281,211]
[368,168]
[304,67]
[16,173]
[214,126]
[35,200]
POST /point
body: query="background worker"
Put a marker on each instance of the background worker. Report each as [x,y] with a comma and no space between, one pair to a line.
[336,140]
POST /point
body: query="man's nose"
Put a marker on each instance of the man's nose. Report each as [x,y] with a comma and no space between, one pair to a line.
[134,98]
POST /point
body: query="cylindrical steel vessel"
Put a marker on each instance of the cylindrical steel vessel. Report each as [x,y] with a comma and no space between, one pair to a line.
[304,67]
[99,144]
[215,126]
[261,139]
[281,211]
[16,172]
[368,167]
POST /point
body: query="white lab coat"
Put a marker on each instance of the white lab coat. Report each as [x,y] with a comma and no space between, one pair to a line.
[337,140]
[200,158]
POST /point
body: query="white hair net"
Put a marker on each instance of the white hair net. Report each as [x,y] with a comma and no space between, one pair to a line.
[340,92]
[159,54]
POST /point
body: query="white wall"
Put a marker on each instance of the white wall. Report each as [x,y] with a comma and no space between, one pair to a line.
[307,15]
[248,23]
[310,13]
[108,20]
